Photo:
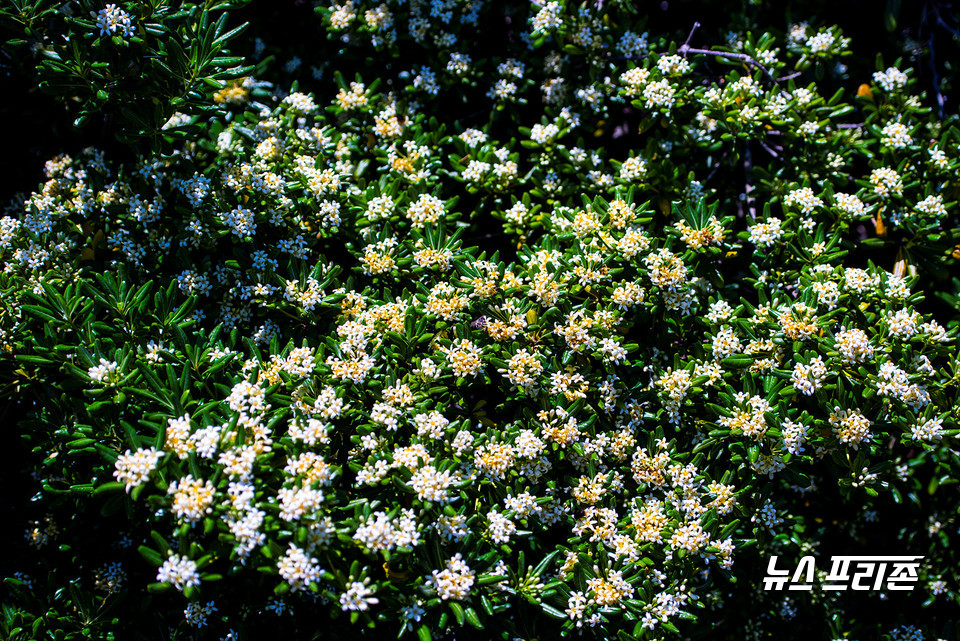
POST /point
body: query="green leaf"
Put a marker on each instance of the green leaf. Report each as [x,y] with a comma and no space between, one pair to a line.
[552,611]
[473,619]
[737,361]
[35,360]
[458,612]
[112,486]
[891,14]
[152,556]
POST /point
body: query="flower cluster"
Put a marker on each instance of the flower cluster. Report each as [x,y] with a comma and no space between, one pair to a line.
[394,370]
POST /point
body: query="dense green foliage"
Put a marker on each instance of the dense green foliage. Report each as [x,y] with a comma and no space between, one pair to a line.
[478,322]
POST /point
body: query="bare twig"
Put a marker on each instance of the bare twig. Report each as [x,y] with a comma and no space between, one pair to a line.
[685,49]
[716,168]
[768,149]
[941,100]
[686,43]
[748,183]
[940,21]
[953,31]
[790,77]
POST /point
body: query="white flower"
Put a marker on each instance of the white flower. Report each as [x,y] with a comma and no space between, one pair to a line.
[803,199]
[634,79]
[459,63]
[612,350]
[357,597]
[673,65]
[113,20]
[765,234]
[179,571]
[431,485]
[105,373]
[548,18]
[501,528]
[455,581]
[854,346]
[633,169]
[896,135]
[660,94]
[809,378]
[134,469]
[809,127]
[849,204]
[473,137]
[886,181]
[822,42]
[300,103]
[928,430]
[891,79]
[542,134]
[153,352]
[298,568]
[932,206]
[903,323]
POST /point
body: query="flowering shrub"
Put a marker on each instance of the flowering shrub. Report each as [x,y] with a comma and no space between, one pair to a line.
[356,361]
[144,67]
